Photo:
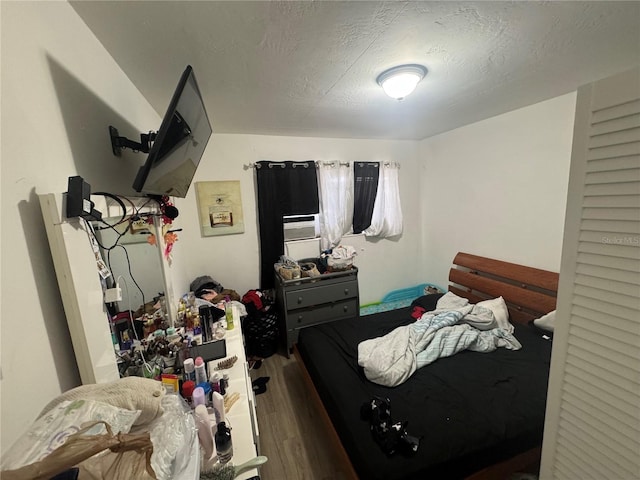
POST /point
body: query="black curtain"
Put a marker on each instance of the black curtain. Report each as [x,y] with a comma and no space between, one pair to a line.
[284,188]
[365,177]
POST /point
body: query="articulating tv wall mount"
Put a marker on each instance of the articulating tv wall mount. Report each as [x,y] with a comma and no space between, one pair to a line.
[118,142]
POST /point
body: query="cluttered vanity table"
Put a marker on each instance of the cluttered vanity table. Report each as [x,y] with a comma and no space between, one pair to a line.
[83,298]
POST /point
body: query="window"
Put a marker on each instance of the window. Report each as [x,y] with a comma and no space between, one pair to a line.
[363,199]
[359,198]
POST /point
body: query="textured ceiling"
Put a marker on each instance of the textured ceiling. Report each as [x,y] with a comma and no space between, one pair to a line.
[309,68]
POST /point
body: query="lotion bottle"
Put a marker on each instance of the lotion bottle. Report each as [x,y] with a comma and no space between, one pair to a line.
[205,432]
[217,401]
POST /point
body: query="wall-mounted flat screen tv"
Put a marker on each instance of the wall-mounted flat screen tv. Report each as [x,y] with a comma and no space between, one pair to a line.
[179,143]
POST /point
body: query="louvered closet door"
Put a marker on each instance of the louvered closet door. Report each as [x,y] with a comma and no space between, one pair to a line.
[592,428]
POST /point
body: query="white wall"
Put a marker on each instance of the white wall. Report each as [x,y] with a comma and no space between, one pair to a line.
[498,188]
[60,91]
[233,260]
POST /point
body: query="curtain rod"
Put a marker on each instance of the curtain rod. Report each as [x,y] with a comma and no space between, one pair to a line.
[318,163]
[276,164]
[333,164]
[384,164]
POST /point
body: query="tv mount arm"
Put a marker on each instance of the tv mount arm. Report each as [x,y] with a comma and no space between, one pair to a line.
[118,142]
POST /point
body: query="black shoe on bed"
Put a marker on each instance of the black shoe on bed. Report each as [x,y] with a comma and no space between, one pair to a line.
[389,435]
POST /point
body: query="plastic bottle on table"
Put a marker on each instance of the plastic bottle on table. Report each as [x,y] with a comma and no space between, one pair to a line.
[224,446]
[205,433]
[214,380]
[188,387]
[189,369]
[228,311]
[198,397]
[201,371]
[217,401]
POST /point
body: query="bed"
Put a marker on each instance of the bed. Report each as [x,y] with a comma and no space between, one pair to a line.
[478,415]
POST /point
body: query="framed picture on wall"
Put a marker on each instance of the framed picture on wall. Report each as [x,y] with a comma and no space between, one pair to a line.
[219,208]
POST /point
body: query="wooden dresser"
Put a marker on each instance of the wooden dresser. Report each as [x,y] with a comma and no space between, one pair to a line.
[304,302]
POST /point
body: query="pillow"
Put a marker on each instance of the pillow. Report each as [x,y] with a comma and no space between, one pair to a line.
[451,301]
[546,322]
[500,312]
[428,302]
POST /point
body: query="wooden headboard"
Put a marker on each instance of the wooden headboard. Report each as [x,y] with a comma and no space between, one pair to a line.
[529,292]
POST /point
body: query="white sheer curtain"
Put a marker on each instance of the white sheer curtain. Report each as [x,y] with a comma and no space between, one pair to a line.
[335,184]
[387,212]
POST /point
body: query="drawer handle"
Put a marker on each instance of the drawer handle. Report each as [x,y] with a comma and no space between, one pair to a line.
[299,318]
[299,299]
[345,308]
[346,291]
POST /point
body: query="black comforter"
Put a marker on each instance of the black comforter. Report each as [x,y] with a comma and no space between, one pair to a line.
[471,410]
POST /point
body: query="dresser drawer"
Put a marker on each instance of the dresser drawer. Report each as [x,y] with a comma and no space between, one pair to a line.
[322,313]
[309,297]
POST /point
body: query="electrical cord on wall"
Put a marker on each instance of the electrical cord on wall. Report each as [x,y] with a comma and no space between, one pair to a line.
[124,218]
[109,250]
[116,244]
[131,319]
[146,364]
[91,229]
[120,202]
[126,254]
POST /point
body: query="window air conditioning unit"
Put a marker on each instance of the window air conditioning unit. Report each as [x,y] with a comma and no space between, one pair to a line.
[301,227]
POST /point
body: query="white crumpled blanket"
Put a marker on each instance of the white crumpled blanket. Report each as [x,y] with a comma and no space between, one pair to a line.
[454,326]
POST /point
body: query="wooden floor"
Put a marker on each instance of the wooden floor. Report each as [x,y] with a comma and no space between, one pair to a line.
[292,436]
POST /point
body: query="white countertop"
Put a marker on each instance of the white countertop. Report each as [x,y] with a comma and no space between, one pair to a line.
[241,417]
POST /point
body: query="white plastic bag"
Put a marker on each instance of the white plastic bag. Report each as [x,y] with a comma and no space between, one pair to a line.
[52,429]
[175,444]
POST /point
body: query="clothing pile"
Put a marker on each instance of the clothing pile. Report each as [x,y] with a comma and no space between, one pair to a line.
[454,325]
[208,289]
[339,258]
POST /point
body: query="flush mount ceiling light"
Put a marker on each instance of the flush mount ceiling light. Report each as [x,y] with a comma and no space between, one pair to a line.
[400,81]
